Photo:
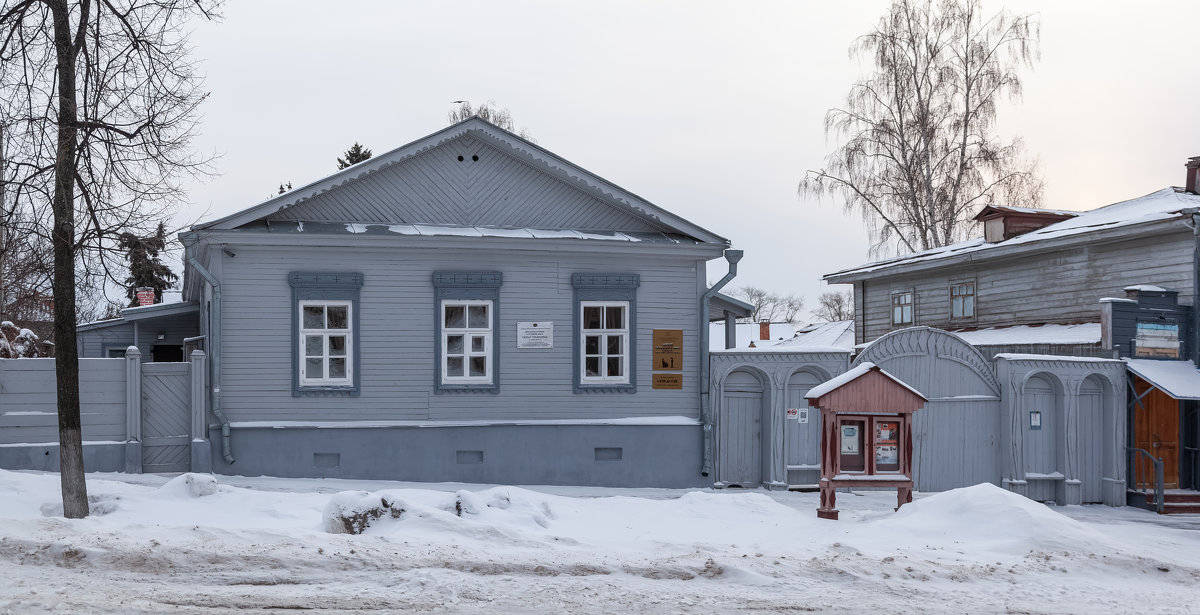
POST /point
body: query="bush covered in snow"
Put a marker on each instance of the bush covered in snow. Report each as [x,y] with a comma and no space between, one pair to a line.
[352,512]
[18,343]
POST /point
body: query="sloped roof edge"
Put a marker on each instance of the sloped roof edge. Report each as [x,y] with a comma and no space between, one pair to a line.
[608,191]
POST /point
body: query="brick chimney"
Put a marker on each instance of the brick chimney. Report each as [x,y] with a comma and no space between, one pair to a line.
[1192,184]
[145,295]
[764,329]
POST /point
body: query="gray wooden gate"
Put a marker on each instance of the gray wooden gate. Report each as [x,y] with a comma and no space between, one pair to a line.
[802,436]
[165,417]
[740,456]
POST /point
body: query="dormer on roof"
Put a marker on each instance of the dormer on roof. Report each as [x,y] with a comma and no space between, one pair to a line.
[1001,223]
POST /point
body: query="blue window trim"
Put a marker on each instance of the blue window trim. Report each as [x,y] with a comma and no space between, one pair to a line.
[605,287]
[478,285]
[335,286]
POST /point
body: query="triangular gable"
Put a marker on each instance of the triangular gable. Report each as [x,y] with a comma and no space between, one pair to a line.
[502,181]
[866,388]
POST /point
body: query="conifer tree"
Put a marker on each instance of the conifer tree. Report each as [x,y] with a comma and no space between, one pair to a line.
[145,268]
[354,155]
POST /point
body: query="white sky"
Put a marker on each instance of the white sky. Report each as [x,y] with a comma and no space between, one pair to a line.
[710,110]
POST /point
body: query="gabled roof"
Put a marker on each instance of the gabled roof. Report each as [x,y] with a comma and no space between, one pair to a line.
[859,371]
[1126,216]
[488,135]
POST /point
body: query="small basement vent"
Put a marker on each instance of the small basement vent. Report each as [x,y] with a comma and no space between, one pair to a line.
[327,460]
[468,457]
[608,454]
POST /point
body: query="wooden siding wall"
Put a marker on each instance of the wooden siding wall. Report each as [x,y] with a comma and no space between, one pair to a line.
[92,343]
[397,336]
[871,392]
[29,405]
[1063,286]
[436,188]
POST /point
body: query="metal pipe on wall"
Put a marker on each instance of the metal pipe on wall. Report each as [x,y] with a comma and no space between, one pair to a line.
[706,421]
[214,338]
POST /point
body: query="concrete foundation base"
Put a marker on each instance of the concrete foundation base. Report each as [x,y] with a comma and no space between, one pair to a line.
[97,457]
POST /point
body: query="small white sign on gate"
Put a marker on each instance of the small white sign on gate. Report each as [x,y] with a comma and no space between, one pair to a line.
[803,417]
[793,413]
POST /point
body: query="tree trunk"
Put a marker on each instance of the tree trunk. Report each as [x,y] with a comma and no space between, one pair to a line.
[70,434]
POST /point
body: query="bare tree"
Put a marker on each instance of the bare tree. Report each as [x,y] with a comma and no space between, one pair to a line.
[491,112]
[920,155]
[770,306]
[833,306]
[99,101]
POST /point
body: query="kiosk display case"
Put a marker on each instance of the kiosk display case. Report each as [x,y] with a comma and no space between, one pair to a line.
[866,416]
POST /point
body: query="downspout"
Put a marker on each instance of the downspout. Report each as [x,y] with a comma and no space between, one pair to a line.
[214,338]
[706,419]
[1195,350]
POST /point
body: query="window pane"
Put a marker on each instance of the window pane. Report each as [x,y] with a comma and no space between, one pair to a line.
[454,366]
[314,317]
[477,317]
[337,346]
[454,344]
[314,346]
[614,344]
[339,317]
[592,366]
[614,366]
[969,305]
[314,368]
[337,368]
[477,343]
[591,317]
[456,317]
[478,366]
[614,317]
[591,344]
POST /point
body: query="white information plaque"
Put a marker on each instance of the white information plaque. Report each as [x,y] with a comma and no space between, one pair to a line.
[535,335]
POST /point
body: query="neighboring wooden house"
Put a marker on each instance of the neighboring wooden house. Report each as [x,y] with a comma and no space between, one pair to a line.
[1033,267]
[467,307]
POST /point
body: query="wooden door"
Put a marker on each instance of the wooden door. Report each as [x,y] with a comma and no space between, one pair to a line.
[1091,440]
[802,435]
[166,417]
[740,432]
[1156,429]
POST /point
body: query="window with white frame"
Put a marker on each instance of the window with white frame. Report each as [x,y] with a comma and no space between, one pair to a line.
[902,308]
[962,299]
[604,331]
[325,338]
[466,342]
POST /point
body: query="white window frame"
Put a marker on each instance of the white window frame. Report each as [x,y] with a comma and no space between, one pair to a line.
[303,334]
[911,305]
[974,299]
[467,332]
[623,332]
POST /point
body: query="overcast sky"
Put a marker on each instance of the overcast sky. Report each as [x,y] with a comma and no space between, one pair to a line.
[712,110]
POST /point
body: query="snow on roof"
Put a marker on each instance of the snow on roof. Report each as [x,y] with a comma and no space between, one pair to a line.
[749,332]
[1145,288]
[1156,206]
[840,381]
[1084,333]
[1179,379]
[1017,356]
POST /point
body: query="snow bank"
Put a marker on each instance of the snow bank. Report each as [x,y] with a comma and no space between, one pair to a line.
[352,512]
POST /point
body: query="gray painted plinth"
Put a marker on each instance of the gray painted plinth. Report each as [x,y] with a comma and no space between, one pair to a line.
[133,457]
[649,456]
[1114,492]
[107,457]
[202,456]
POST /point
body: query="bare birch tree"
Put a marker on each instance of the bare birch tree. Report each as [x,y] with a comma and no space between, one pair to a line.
[834,306]
[919,154]
[768,305]
[99,101]
[491,112]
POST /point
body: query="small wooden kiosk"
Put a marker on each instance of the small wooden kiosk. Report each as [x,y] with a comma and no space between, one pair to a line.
[866,433]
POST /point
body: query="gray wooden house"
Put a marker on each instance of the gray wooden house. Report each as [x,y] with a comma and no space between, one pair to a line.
[467,307]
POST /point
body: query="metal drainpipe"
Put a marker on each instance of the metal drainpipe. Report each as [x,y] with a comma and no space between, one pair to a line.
[1195,287]
[214,336]
[706,462]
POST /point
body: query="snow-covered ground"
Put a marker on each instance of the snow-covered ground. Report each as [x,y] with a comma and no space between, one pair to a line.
[258,545]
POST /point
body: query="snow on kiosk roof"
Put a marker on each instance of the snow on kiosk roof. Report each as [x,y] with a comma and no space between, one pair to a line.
[872,390]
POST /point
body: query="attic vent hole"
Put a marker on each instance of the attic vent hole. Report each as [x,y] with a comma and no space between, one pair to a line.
[475,158]
[460,158]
